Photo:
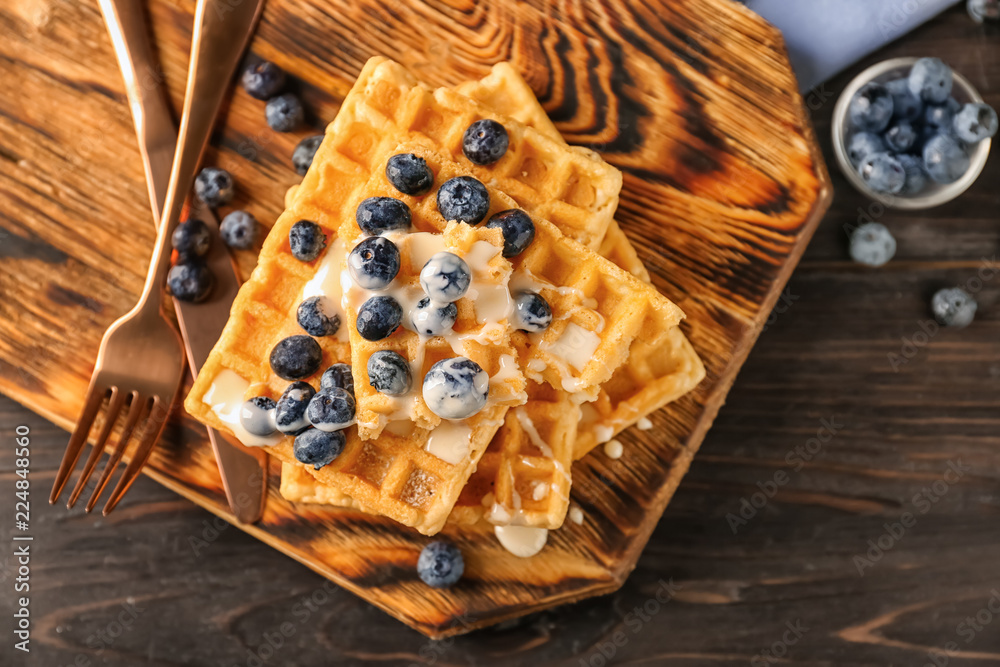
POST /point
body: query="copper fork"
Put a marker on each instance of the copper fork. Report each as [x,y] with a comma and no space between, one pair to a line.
[140,363]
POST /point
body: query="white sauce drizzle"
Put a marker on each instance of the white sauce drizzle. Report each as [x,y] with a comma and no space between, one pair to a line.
[576,515]
[327,282]
[522,541]
[613,449]
[644,424]
[450,441]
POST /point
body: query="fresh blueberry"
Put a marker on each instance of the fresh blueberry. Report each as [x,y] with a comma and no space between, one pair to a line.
[302,156]
[317,316]
[532,312]
[239,230]
[882,173]
[338,375]
[953,307]
[191,239]
[378,317]
[409,174]
[389,373]
[456,388]
[445,277]
[518,230]
[290,411]
[306,240]
[318,448]
[463,198]
[916,177]
[901,136]
[930,79]
[871,108]
[263,80]
[485,141]
[944,159]
[296,357]
[382,214]
[905,105]
[214,186]
[331,409]
[374,262]
[975,122]
[432,319]
[872,244]
[983,11]
[257,416]
[440,564]
[190,281]
[863,144]
[284,113]
[942,116]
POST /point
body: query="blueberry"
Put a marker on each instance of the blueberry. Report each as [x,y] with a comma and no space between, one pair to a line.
[374,262]
[953,307]
[190,281]
[338,375]
[916,177]
[863,144]
[306,240]
[331,409]
[382,214]
[930,79]
[944,159]
[982,11]
[463,198]
[378,317]
[440,564]
[975,122]
[389,373]
[518,230]
[409,174]
[316,315]
[905,105]
[532,312]
[257,416]
[191,239]
[318,448]
[882,173]
[302,156]
[290,411]
[872,244]
[485,141]
[456,388]
[214,186]
[871,108]
[263,80]
[432,319]
[942,116]
[239,230]
[284,113]
[296,357]
[445,277]
[901,136]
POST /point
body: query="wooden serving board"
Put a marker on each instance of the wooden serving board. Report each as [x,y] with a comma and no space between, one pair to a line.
[694,101]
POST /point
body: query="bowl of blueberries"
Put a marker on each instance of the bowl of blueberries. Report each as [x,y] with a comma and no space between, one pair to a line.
[911,133]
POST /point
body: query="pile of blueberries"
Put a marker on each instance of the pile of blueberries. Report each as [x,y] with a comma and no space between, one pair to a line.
[911,131]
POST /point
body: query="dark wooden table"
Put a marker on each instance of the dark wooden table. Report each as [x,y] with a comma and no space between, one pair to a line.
[869,492]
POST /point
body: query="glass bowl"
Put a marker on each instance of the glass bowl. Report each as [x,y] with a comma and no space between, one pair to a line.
[934,194]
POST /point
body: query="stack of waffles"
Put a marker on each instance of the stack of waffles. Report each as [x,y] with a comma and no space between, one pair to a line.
[612,354]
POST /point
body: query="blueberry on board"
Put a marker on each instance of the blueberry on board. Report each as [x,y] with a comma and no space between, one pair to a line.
[975,122]
[409,174]
[905,105]
[214,186]
[445,277]
[916,177]
[432,319]
[517,228]
[944,159]
[389,373]
[982,11]
[901,136]
[882,173]
[931,80]
[863,144]
[378,317]
[296,357]
[191,239]
[306,240]
[376,215]
[257,416]
[532,312]
[953,307]
[263,80]
[290,411]
[284,113]
[463,198]
[331,409]
[374,262]
[239,230]
[318,448]
[190,281]
[317,317]
[302,156]
[942,116]
[456,388]
[338,375]
[485,141]
[440,564]
[870,109]
[872,244]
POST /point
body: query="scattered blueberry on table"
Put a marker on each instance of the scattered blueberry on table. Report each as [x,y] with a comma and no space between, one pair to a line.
[338,375]
[239,230]
[379,317]
[532,313]
[440,564]
[517,228]
[284,113]
[485,142]
[190,281]
[954,307]
[376,215]
[464,199]
[191,239]
[445,277]
[318,448]
[296,357]
[306,240]
[263,80]
[257,416]
[374,262]
[456,388]
[389,373]
[290,411]
[983,11]
[317,318]
[433,319]
[214,186]
[305,151]
[331,409]
[409,174]
[872,244]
